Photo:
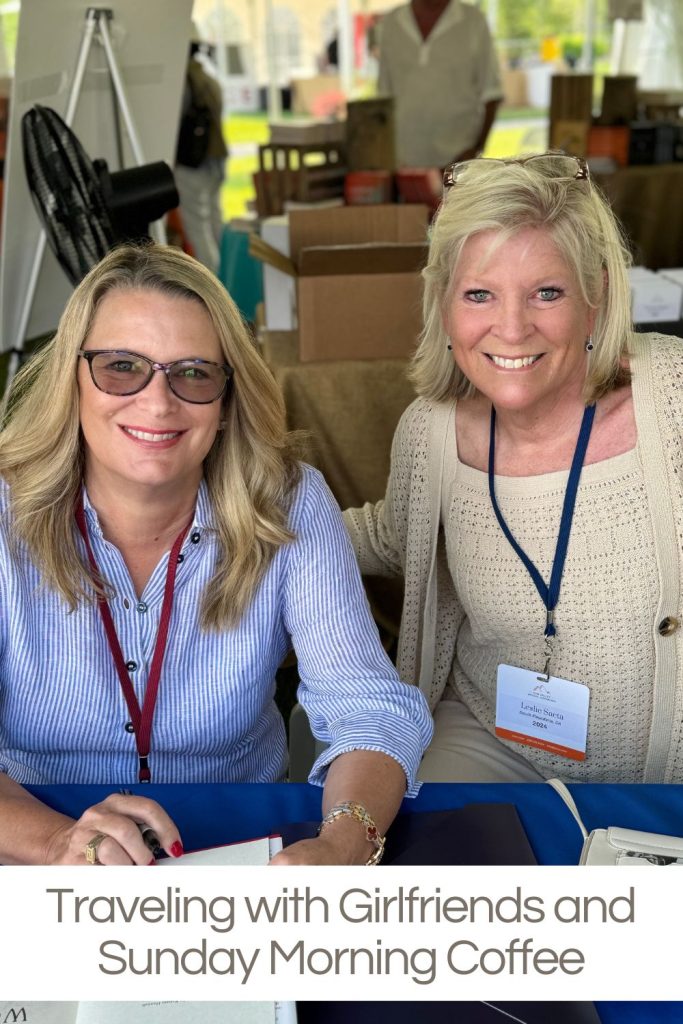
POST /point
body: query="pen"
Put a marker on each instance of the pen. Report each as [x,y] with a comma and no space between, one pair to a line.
[149,836]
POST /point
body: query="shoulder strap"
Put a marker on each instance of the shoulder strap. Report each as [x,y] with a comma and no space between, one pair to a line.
[562,790]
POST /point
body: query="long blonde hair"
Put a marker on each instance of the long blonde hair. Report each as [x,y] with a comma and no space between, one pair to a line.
[508,198]
[250,470]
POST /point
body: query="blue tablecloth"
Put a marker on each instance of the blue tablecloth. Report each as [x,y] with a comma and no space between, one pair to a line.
[208,815]
[211,814]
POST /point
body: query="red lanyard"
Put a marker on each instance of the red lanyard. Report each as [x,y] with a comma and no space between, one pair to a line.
[141,719]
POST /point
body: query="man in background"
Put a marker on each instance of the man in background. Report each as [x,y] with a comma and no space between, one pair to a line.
[200,160]
[438,62]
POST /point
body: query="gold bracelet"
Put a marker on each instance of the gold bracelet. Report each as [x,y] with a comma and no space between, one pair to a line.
[358,813]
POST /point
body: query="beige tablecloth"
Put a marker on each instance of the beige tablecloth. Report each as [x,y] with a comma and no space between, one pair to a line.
[350,409]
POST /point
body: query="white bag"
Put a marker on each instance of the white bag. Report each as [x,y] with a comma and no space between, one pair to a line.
[623,847]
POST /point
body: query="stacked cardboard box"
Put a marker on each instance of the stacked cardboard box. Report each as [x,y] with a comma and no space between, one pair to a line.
[655,298]
[356,272]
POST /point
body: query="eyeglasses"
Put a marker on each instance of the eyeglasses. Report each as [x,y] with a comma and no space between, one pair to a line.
[558,166]
[122,373]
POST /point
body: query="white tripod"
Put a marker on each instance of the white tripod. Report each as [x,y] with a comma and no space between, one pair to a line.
[96,21]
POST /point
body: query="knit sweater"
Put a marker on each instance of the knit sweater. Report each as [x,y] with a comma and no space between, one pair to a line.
[621,578]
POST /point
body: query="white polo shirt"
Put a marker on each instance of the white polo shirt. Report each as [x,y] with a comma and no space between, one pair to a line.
[440,84]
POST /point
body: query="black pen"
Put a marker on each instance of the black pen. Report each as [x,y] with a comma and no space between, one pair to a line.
[149,836]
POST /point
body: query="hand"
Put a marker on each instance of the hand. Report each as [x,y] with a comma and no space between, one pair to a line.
[312,851]
[117,818]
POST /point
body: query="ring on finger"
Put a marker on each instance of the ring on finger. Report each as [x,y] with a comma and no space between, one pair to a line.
[91,848]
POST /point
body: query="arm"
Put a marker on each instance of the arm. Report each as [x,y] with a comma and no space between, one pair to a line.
[366,777]
[32,833]
[490,108]
[377,726]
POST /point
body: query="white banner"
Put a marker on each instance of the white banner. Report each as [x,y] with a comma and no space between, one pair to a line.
[247,933]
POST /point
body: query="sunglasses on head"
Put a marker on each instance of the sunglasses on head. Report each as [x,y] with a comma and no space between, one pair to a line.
[558,166]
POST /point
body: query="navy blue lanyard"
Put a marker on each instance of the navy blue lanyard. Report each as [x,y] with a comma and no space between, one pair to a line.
[549,594]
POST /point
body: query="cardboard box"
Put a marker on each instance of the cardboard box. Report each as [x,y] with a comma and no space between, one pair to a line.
[357,270]
[360,301]
[308,92]
[359,288]
[654,298]
[675,275]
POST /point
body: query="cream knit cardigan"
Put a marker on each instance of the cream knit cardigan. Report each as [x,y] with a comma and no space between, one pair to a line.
[401,536]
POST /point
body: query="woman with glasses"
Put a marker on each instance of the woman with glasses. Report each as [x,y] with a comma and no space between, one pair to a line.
[534,504]
[160,551]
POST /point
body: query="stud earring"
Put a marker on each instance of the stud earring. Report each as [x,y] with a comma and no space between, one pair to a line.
[589,344]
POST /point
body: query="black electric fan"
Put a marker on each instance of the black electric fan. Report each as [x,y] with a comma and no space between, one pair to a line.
[85,209]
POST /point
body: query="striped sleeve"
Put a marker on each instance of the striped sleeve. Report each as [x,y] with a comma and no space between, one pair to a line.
[349,688]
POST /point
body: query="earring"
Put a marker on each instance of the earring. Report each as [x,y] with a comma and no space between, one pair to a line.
[589,344]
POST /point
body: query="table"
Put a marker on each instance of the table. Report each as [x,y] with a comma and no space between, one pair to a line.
[348,407]
[648,201]
[212,814]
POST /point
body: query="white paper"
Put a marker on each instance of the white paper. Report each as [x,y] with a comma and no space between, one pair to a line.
[250,853]
[18,1012]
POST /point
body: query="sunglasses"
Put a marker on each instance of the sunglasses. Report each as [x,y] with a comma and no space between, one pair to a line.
[121,373]
[558,166]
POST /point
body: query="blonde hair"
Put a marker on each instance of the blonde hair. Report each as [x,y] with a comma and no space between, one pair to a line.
[509,198]
[250,470]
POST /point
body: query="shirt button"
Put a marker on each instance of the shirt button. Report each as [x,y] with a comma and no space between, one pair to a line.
[129,727]
[131,665]
[668,626]
[194,536]
[141,607]
[181,558]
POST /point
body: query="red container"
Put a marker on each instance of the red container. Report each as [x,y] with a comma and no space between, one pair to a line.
[610,141]
[420,185]
[368,187]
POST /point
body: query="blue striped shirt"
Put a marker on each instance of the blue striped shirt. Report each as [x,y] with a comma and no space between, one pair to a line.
[62,713]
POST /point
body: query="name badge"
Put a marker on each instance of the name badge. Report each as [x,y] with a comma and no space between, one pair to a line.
[547,714]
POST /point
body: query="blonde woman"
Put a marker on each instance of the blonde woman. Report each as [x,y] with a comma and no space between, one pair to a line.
[160,550]
[534,504]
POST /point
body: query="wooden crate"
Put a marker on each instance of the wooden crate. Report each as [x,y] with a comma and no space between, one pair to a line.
[303,173]
[571,100]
